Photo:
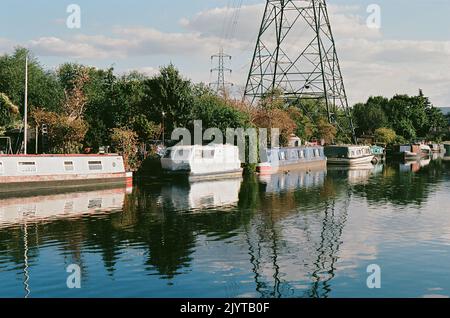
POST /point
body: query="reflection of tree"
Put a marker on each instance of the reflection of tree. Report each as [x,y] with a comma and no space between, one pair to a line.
[400,187]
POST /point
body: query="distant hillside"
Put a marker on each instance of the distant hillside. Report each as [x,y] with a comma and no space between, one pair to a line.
[446,110]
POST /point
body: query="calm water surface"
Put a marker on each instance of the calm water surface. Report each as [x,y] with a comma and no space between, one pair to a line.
[289,235]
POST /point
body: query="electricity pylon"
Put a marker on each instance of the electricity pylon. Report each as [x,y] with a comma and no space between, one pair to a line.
[220,84]
[296,54]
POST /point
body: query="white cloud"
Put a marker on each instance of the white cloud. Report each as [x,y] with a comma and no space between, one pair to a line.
[371,63]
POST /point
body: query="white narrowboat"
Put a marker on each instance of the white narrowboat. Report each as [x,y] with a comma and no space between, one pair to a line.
[32,172]
[202,162]
[349,155]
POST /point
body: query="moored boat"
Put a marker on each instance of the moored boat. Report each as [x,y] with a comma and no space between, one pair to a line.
[349,155]
[32,172]
[202,162]
[284,159]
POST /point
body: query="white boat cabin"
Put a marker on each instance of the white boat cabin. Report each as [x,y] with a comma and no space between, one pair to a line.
[200,160]
[41,168]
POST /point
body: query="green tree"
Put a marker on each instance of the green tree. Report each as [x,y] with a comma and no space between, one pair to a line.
[9,113]
[370,116]
[44,89]
[217,112]
[170,93]
[385,135]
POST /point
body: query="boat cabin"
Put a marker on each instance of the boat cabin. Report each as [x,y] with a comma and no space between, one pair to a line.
[202,161]
[349,154]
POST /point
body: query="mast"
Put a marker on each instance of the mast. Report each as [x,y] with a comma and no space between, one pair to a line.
[25,128]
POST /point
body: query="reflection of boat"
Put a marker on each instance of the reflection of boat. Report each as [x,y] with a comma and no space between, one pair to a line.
[202,194]
[283,159]
[415,166]
[202,162]
[437,148]
[67,205]
[357,174]
[295,179]
[29,172]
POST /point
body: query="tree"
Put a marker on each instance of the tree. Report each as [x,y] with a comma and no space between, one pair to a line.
[217,112]
[370,116]
[44,89]
[385,135]
[125,142]
[326,131]
[272,114]
[170,93]
[65,134]
[9,113]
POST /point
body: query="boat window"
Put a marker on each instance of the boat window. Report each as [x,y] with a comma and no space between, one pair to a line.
[1,167]
[182,154]
[27,167]
[282,155]
[209,154]
[95,165]
[198,154]
[316,153]
[68,166]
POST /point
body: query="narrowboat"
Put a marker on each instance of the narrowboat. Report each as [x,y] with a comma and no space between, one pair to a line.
[33,172]
[285,159]
[409,152]
[348,155]
[202,162]
[447,151]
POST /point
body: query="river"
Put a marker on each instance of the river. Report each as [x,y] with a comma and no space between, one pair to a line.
[296,234]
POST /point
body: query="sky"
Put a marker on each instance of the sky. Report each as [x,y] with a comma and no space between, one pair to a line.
[410,50]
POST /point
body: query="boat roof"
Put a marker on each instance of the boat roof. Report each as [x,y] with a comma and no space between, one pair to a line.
[59,156]
[347,146]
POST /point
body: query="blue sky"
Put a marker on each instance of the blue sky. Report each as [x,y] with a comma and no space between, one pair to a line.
[410,51]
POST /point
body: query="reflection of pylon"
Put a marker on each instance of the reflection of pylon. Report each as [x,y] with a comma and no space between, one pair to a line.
[220,85]
[295,53]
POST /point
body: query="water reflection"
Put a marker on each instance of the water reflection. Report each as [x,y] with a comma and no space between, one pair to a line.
[190,196]
[283,235]
[14,211]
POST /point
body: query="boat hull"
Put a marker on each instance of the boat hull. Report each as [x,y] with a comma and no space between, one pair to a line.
[189,175]
[305,165]
[10,186]
[351,161]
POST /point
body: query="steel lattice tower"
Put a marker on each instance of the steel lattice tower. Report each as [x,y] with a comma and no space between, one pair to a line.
[220,84]
[295,52]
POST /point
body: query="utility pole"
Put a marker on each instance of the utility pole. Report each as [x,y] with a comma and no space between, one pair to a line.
[220,84]
[25,127]
[295,53]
